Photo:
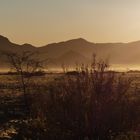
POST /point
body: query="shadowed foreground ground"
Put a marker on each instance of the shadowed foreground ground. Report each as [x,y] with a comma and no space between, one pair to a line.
[60,108]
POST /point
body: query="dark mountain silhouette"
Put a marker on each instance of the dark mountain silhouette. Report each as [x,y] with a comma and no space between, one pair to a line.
[78,51]
[6,45]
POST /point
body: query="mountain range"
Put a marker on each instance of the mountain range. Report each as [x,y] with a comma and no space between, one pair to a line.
[78,51]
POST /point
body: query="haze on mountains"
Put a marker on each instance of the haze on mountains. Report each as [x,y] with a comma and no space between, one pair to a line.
[77,51]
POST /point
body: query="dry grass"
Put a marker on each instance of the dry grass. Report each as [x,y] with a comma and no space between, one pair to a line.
[92,104]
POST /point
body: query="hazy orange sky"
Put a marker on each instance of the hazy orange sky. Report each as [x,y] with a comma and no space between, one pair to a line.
[40,22]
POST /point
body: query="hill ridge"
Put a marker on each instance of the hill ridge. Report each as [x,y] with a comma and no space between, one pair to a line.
[119,53]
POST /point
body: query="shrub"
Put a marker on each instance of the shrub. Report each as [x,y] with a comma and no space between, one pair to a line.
[92,104]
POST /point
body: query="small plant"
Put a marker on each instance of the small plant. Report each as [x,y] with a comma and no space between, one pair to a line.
[25,65]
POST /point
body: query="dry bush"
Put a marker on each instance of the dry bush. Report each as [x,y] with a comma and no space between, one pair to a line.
[92,105]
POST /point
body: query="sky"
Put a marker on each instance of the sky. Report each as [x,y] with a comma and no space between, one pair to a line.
[40,22]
